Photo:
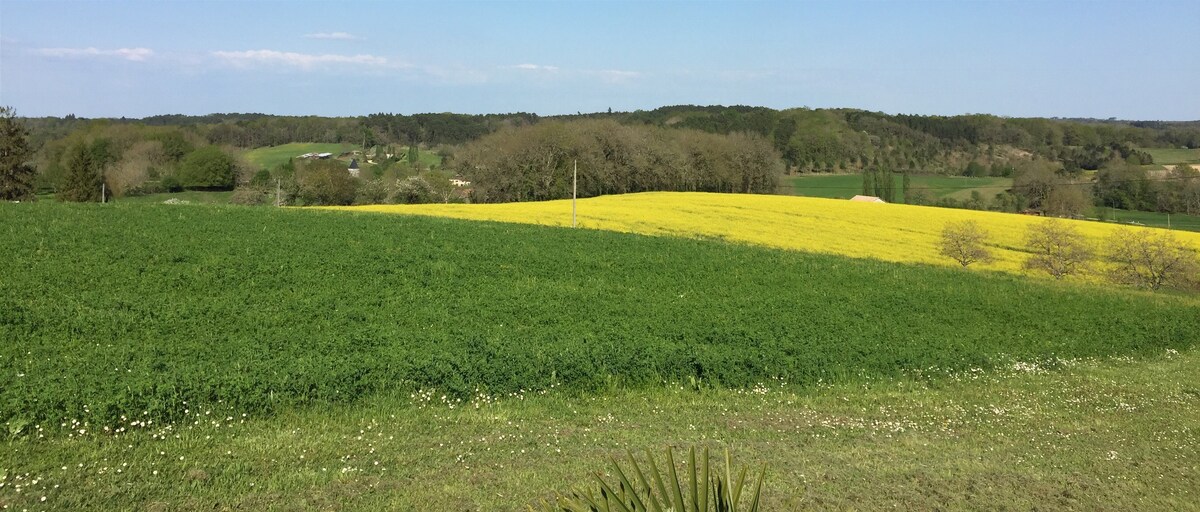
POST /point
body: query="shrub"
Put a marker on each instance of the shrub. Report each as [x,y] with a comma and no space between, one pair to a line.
[700,488]
[325,182]
[373,191]
[261,179]
[170,183]
[208,167]
[250,197]
[412,190]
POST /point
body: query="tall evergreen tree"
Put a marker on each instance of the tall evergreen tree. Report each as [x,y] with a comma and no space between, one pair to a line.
[888,188]
[16,177]
[83,180]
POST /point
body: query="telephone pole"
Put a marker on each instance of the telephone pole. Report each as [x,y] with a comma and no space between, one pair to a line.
[574,191]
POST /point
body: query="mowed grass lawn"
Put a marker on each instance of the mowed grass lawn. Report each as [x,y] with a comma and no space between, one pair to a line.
[1097,435]
[845,186]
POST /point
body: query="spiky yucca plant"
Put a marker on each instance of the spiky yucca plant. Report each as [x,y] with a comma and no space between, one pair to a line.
[650,489]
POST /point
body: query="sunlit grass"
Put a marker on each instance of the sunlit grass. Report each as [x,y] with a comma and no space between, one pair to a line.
[1109,434]
[273,156]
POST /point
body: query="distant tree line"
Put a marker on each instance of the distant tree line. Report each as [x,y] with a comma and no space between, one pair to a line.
[536,162]
[1050,160]
[130,159]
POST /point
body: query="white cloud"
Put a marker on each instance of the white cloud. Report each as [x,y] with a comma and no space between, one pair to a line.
[250,58]
[132,54]
[536,67]
[615,75]
[339,36]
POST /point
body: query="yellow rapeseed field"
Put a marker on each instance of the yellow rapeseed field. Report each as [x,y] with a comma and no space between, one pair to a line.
[891,232]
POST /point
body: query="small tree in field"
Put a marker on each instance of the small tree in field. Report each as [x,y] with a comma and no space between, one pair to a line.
[412,154]
[325,182]
[1057,249]
[964,242]
[1152,260]
[208,167]
[16,176]
[84,179]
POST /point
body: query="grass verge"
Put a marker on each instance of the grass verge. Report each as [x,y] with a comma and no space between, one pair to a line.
[1110,434]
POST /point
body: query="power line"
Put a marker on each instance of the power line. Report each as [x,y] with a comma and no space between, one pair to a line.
[794,185]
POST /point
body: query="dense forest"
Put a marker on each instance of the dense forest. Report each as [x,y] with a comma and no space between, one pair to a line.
[1058,166]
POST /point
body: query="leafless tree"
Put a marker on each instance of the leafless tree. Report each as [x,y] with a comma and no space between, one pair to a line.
[1057,249]
[965,242]
[1152,260]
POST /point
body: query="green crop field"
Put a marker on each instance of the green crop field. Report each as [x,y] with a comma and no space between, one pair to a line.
[1155,219]
[845,186]
[271,157]
[187,357]
[141,308]
[1174,155]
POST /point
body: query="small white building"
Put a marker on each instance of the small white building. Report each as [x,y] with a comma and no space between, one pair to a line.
[867,199]
[353,169]
[459,182]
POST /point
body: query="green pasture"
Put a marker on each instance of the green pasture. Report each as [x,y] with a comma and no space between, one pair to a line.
[1154,219]
[271,157]
[1174,155]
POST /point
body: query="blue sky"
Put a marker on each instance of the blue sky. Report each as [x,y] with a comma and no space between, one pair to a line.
[1130,60]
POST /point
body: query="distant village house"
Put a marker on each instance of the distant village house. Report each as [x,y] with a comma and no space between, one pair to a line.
[867,199]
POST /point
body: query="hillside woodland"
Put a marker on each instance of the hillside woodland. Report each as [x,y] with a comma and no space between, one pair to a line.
[1058,166]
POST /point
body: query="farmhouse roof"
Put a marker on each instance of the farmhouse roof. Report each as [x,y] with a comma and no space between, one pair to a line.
[867,199]
[353,163]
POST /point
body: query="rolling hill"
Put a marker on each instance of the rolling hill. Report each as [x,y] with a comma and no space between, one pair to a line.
[890,232]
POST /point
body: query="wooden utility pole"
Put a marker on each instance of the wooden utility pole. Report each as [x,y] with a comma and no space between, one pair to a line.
[103,192]
[574,191]
[278,187]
